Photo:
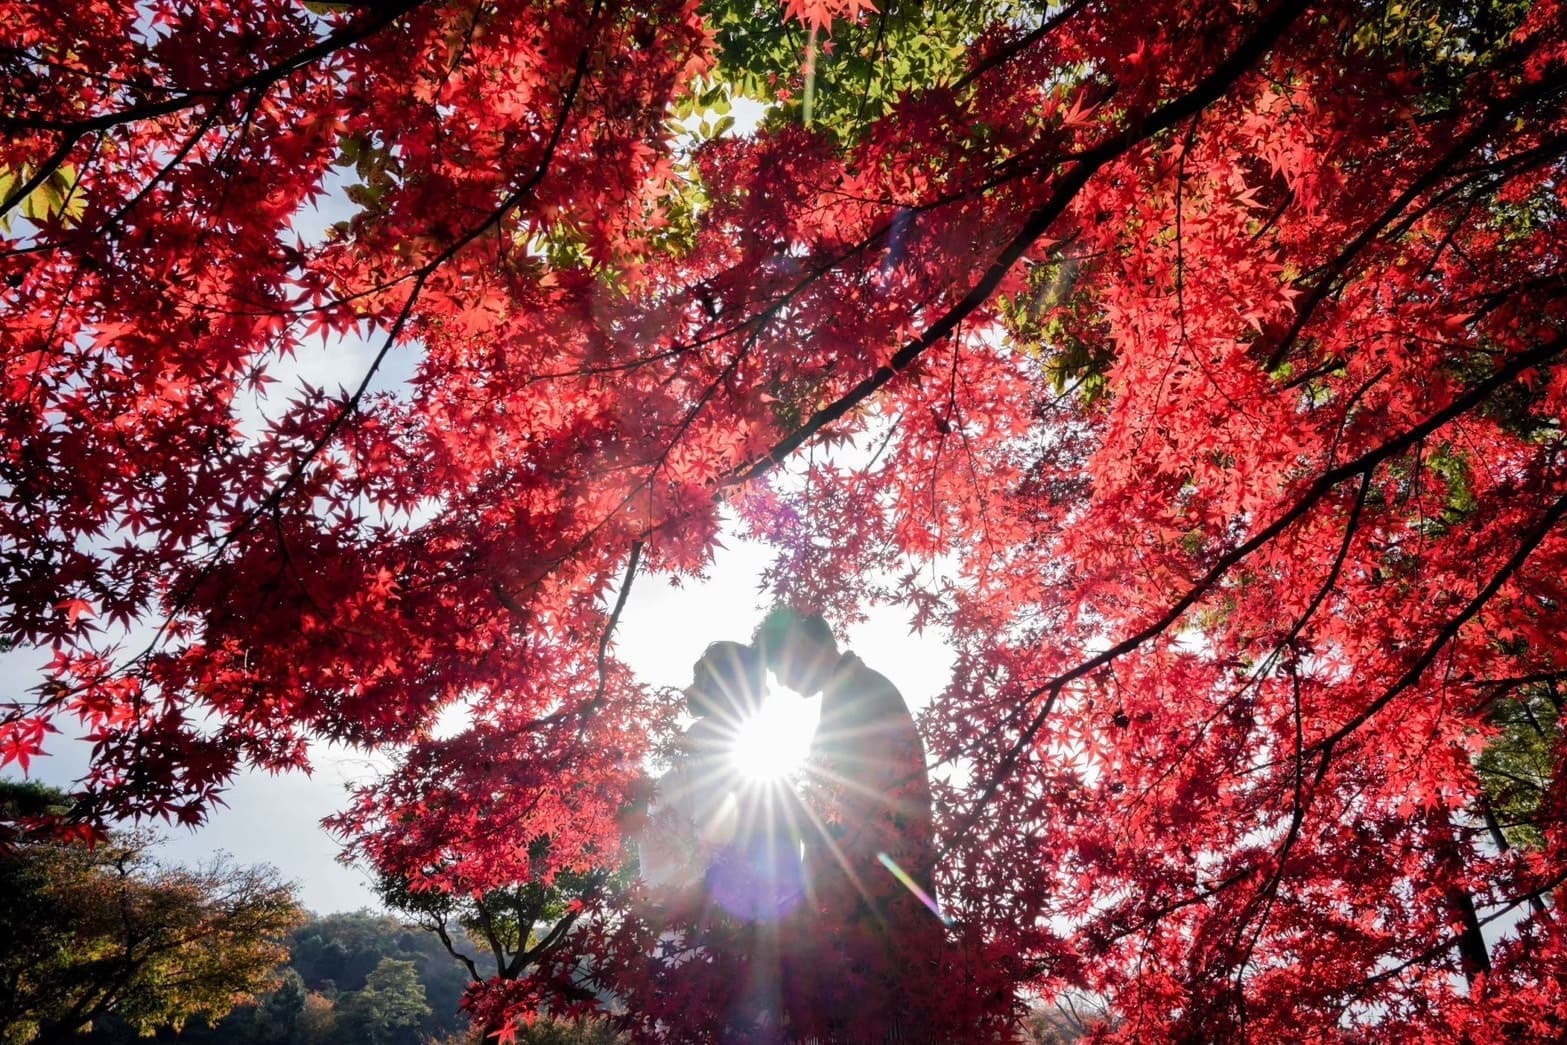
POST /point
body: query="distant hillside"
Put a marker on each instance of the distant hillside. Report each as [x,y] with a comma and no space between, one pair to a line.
[350,978]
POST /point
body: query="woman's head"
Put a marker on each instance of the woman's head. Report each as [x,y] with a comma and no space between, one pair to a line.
[728,681]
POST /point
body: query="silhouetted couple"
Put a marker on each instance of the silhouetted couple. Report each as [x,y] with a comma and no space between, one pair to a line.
[825,888]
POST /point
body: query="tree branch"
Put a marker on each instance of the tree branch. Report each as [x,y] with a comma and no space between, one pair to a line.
[1086,165]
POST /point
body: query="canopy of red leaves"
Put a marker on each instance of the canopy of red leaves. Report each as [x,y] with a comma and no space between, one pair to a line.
[1211,353]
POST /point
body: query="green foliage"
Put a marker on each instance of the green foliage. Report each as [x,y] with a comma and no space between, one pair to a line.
[519,926]
[1043,320]
[336,954]
[28,798]
[107,930]
[1517,766]
[28,810]
[389,1010]
[379,171]
[276,1017]
[570,1032]
[317,1021]
[334,959]
[58,196]
[1445,39]
[841,83]
[1452,465]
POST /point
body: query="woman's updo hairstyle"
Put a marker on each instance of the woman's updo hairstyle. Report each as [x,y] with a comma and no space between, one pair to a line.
[728,681]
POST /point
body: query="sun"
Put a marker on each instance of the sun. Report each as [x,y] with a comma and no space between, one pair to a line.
[773,743]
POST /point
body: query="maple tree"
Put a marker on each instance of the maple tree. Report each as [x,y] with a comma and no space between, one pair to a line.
[1197,367]
[513,939]
[98,931]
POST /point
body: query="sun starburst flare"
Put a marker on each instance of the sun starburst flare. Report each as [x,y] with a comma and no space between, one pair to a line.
[773,743]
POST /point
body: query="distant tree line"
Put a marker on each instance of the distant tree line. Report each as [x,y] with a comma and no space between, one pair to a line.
[358,977]
[107,945]
[97,928]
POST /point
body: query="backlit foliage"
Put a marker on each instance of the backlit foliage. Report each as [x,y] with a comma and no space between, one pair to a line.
[1196,366]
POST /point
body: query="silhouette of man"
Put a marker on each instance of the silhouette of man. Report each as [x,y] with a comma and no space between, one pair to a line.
[871,955]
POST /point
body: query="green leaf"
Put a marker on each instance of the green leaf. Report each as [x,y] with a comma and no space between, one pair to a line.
[42,202]
[73,199]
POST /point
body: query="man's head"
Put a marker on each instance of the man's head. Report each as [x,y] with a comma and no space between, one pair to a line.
[798,647]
